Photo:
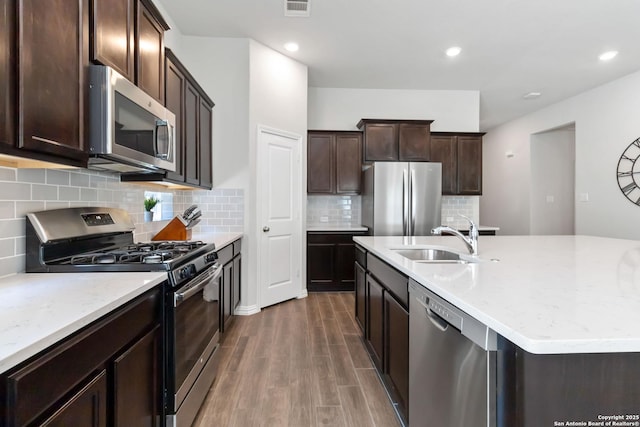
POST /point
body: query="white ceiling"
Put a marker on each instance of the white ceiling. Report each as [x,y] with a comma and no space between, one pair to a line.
[510,47]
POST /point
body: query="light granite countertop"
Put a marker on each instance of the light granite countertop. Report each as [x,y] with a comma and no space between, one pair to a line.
[219,239]
[546,294]
[335,227]
[39,309]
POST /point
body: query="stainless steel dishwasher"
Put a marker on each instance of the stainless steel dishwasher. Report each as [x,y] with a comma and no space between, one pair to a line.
[452,365]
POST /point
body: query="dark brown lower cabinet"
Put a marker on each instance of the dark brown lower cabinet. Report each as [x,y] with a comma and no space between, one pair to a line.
[237,274]
[108,373]
[375,331]
[386,325]
[361,295]
[397,350]
[230,258]
[330,258]
[134,375]
[88,407]
[227,285]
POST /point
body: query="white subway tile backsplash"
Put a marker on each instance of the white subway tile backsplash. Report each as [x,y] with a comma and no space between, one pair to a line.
[11,228]
[57,177]
[346,210]
[20,246]
[32,190]
[31,175]
[454,206]
[7,248]
[7,210]
[55,205]
[333,210]
[88,195]
[15,191]
[77,179]
[44,192]
[7,174]
[23,208]
[69,193]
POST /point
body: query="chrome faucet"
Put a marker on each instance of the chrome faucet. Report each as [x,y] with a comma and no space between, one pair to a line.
[471,241]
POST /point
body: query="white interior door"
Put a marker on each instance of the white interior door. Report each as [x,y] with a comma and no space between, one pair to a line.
[279,200]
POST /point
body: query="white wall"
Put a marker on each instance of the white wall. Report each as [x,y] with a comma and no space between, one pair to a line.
[250,85]
[342,109]
[606,121]
[552,182]
[221,67]
[277,99]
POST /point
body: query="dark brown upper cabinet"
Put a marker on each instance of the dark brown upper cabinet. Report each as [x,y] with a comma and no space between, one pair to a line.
[113,43]
[175,85]
[150,49]
[7,76]
[52,58]
[334,162]
[396,140]
[205,138]
[461,158]
[194,137]
[128,35]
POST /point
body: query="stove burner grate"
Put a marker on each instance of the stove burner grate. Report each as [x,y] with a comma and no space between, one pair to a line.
[137,253]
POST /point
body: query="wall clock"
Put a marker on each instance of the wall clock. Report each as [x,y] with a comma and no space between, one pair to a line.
[629,172]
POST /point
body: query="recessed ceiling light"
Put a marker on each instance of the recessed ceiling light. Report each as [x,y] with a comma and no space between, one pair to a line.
[532,95]
[292,46]
[607,56]
[454,51]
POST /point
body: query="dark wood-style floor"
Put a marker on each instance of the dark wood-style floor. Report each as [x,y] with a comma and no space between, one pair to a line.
[300,363]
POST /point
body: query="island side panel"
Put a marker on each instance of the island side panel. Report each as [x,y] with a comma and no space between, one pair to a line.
[556,389]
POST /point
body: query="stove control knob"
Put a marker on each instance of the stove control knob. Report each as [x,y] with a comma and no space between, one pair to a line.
[211,257]
[186,272]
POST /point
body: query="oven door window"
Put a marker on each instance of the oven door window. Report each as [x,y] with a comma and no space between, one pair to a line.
[197,319]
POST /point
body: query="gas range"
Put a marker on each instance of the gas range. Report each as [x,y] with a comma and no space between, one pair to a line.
[101,239]
[96,239]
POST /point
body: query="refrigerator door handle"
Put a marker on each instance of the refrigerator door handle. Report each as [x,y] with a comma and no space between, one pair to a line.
[405,203]
[412,212]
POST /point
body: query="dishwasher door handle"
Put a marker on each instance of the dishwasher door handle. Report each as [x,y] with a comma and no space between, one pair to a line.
[437,321]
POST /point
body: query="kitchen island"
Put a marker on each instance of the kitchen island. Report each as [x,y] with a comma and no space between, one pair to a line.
[565,309]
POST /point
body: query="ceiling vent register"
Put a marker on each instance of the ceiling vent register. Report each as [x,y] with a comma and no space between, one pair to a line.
[297,8]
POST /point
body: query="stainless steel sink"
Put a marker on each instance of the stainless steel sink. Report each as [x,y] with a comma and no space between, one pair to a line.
[432,255]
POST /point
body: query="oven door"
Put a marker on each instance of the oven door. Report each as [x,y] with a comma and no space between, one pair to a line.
[196,314]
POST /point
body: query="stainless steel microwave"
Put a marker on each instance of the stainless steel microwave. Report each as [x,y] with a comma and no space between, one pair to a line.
[129,130]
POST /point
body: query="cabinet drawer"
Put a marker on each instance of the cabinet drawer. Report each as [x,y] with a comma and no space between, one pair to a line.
[37,385]
[237,246]
[225,254]
[396,282]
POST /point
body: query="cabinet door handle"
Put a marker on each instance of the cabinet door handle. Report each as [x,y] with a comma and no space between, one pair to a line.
[265,229]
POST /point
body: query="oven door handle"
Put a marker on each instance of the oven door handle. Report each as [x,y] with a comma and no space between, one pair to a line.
[192,289]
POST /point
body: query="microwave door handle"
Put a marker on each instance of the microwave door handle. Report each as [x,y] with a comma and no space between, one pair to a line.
[211,275]
[161,124]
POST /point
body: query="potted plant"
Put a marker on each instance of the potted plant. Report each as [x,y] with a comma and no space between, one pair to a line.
[149,204]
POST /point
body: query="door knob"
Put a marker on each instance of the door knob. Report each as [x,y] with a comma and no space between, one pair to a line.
[265,229]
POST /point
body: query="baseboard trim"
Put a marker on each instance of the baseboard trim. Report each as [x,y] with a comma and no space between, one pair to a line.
[247,310]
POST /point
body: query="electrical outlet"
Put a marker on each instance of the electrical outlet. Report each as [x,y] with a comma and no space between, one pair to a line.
[324,219]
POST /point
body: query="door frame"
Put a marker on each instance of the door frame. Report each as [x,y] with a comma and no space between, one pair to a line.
[298,200]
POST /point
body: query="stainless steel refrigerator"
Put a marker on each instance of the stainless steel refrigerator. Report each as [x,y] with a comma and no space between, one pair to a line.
[402,198]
